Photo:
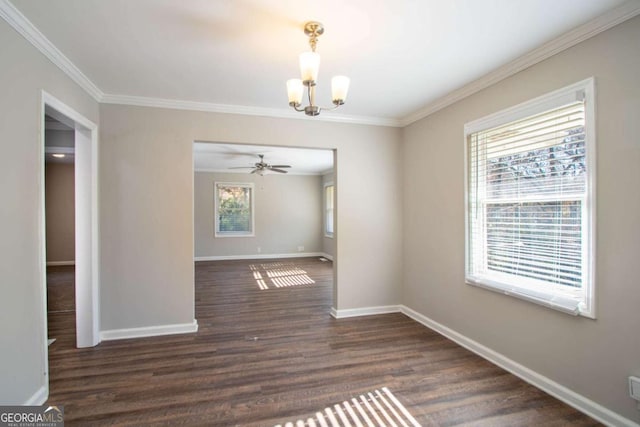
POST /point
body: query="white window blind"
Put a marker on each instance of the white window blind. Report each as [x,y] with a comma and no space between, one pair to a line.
[328,211]
[528,208]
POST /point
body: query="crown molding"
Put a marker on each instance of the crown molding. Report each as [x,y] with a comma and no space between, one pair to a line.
[579,34]
[610,19]
[24,27]
[175,104]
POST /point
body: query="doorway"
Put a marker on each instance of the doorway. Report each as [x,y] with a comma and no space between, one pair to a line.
[284,189]
[82,145]
[59,155]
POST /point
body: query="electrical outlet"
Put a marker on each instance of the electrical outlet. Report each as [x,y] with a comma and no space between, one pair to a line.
[300,248]
[259,249]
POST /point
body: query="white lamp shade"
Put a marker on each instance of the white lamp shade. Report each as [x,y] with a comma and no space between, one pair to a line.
[295,90]
[339,88]
[309,65]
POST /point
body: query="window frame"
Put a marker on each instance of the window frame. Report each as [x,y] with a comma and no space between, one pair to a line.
[326,209]
[563,96]
[216,206]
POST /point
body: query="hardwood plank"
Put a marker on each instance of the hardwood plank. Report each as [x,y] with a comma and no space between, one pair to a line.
[267,356]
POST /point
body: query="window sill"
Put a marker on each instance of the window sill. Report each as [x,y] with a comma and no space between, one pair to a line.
[557,303]
[233,235]
[330,236]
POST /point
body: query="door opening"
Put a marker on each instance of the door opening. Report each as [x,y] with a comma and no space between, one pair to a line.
[82,144]
[59,154]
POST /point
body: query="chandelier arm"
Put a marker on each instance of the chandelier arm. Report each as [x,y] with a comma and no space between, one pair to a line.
[329,108]
[295,107]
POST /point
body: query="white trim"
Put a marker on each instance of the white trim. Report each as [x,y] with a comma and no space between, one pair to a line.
[365,311]
[570,397]
[90,313]
[175,104]
[579,34]
[39,397]
[42,258]
[149,331]
[325,217]
[261,256]
[22,25]
[584,304]
[87,316]
[591,147]
[327,256]
[59,263]
[545,102]
[68,112]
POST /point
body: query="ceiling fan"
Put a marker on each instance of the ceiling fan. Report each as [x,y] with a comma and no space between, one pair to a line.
[261,167]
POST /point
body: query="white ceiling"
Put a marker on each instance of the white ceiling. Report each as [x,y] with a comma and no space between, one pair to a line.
[401,55]
[214,157]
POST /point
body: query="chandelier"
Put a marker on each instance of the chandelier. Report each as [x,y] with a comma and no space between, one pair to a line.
[309,64]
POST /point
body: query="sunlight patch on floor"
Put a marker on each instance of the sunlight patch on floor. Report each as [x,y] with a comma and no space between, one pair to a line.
[279,275]
[377,408]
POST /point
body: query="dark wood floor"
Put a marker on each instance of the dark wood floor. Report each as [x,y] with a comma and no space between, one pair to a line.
[267,356]
[61,305]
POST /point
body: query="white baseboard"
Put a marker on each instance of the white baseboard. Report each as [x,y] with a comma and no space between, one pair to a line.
[149,331]
[259,256]
[364,311]
[39,397]
[57,263]
[553,388]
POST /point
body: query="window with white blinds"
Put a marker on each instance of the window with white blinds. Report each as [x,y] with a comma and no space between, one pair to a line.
[328,210]
[530,201]
[234,209]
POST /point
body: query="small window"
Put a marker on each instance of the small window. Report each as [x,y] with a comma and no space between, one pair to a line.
[328,209]
[530,200]
[234,209]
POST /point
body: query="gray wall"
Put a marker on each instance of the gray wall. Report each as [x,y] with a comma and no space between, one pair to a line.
[288,214]
[146,200]
[591,357]
[60,211]
[147,227]
[24,73]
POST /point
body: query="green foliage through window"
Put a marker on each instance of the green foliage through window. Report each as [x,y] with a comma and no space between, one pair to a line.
[234,209]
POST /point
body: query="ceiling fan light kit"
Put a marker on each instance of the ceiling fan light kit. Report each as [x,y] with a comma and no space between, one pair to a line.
[309,66]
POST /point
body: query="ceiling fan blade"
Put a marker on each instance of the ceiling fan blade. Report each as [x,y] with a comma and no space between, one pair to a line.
[254,171]
[277,170]
[280,166]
